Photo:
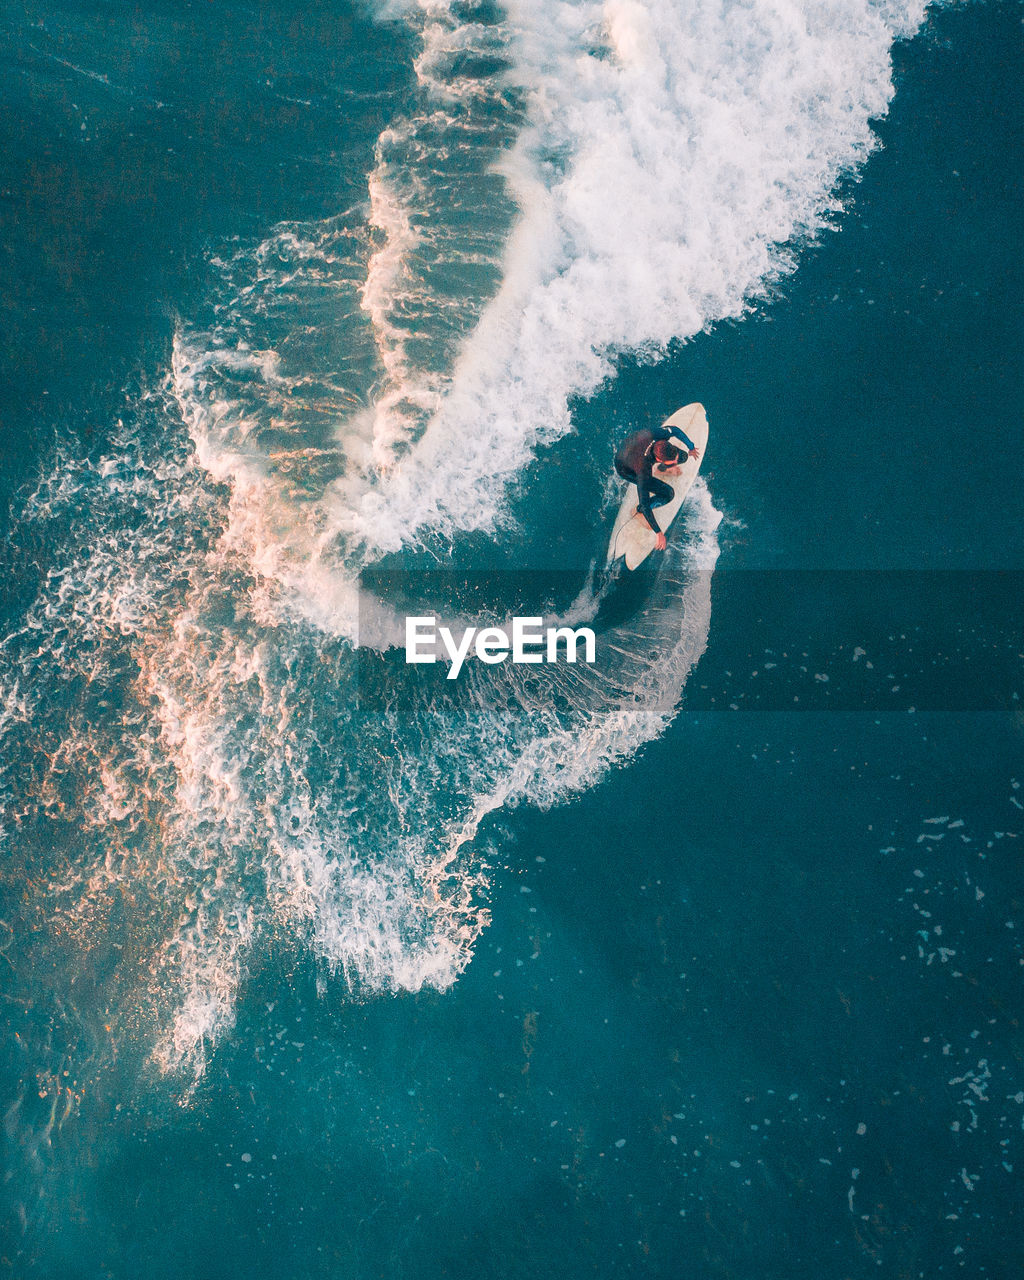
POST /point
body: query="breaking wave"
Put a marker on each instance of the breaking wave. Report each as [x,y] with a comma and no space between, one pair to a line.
[187,775]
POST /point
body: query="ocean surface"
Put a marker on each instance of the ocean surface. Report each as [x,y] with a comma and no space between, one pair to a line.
[703,963]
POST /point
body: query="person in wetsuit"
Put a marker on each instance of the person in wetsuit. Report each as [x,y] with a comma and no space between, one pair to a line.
[641,455]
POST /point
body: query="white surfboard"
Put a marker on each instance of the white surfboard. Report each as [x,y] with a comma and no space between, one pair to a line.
[633,538]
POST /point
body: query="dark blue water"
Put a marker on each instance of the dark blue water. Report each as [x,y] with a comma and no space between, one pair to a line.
[747,1000]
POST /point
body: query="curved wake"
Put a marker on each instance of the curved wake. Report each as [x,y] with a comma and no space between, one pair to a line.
[186,776]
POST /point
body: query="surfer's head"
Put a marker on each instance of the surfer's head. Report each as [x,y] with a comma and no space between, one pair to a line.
[667,453]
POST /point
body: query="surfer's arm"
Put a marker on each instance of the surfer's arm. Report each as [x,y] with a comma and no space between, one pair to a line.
[680,434]
[666,433]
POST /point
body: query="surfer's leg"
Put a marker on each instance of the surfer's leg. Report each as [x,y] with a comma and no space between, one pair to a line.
[660,492]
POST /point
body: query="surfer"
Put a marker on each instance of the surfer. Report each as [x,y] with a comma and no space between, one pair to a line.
[636,461]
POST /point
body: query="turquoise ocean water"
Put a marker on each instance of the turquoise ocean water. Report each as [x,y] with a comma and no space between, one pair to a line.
[707,964]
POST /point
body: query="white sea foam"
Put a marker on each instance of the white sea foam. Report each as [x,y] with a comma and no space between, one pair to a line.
[673,155]
[575,180]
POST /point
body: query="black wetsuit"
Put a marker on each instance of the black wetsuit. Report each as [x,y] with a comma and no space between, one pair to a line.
[635,462]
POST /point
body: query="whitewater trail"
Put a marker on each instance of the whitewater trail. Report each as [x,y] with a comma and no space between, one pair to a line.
[573,181]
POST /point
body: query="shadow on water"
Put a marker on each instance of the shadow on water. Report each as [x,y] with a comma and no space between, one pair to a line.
[622,593]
